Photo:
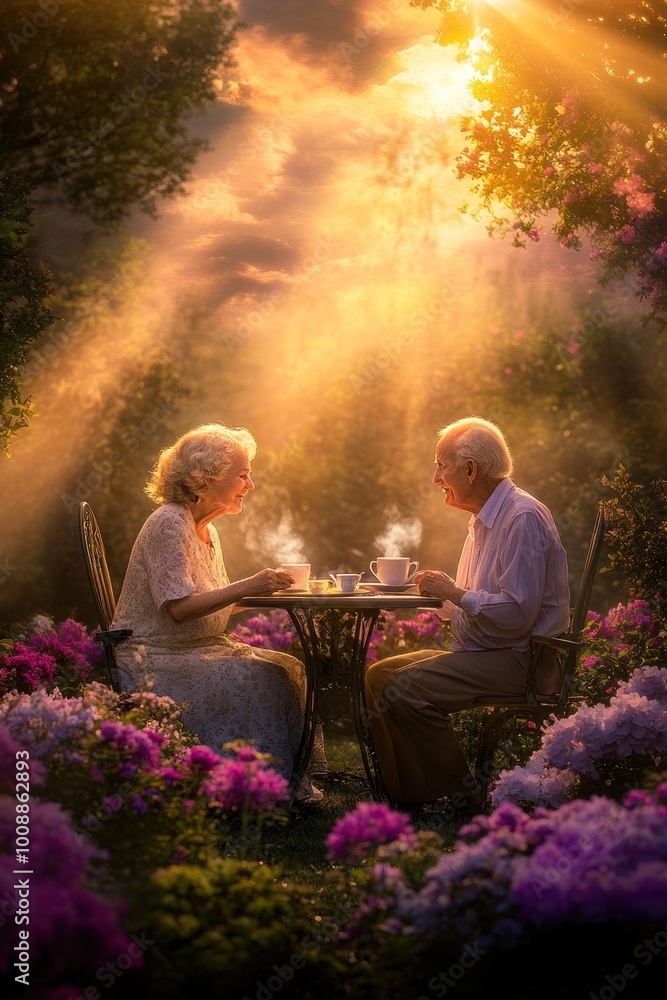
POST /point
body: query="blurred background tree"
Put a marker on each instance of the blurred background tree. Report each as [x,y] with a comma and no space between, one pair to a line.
[572,124]
[93,107]
[94,96]
[25,285]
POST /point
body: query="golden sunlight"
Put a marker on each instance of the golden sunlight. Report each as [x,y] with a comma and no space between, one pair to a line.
[433,83]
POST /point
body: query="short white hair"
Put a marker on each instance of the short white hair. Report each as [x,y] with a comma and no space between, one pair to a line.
[475,437]
[199,457]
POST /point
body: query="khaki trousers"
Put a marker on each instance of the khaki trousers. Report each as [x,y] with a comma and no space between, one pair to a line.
[409,699]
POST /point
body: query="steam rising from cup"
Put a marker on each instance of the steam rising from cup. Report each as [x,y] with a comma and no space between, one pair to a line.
[279,543]
[401,536]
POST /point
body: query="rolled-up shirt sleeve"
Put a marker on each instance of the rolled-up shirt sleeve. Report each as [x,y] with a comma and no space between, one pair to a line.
[515,605]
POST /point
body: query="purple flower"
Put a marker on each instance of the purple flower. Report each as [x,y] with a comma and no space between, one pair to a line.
[371,828]
[141,746]
[268,631]
[245,784]
[36,661]
[113,803]
[47,724]
[637,797]
[169,775]
[635,722]
[8,769]
[202,759]
[138,804]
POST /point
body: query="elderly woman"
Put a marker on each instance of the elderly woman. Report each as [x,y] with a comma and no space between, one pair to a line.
[177,599]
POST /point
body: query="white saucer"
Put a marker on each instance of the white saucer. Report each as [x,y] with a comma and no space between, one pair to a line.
[389,588]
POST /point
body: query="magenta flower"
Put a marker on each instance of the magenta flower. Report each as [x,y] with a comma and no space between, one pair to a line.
[142,746]
[29,666]
[373,828]
[169,775]
[245,784]
[202,759]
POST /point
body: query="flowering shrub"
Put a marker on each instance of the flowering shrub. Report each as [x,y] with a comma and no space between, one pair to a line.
[245,782]
[371,829]
[549,137]
[47,724]
[511,874]
[395,635]
[269,630]
[625,638]
[405,635]
[73,931]
[126,770]
[64,655]
[597,747]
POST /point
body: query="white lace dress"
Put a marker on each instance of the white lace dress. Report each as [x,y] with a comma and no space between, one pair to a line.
[231,690]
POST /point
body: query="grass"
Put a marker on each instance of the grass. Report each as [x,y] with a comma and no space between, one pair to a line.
[298,848]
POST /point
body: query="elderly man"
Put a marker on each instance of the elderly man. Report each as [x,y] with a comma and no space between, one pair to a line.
[511,582]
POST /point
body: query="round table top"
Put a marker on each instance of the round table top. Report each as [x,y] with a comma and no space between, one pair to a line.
[341,602]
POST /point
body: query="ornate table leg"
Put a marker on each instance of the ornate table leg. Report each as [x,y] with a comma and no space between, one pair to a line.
[304,624]
[363,631]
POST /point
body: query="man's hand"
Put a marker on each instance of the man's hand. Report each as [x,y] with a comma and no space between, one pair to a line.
[432,583]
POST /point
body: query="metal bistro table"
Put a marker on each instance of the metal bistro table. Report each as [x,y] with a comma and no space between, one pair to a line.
[347,635]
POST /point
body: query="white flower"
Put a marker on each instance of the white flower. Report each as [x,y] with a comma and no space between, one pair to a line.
[41,624]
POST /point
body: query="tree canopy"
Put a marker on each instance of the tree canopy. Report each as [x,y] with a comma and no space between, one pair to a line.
[572,121]
[93,96]
[24,286]
[93,106]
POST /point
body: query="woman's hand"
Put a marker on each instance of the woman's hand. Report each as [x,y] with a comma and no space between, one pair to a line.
[267,582]
[262,584]
[432,583]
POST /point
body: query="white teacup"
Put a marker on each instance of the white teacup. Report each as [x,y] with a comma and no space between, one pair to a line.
[393,571]
[347,583]
[300,572]
[318,586]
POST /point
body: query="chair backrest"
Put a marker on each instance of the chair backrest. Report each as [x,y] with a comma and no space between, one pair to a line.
[580,609]
[95,560]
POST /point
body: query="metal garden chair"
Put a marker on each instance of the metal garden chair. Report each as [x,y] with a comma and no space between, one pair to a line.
[505,709]
[95,560]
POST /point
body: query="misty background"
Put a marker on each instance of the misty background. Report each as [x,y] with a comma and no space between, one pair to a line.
[319,285]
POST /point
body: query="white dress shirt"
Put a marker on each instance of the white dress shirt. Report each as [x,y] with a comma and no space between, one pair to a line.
[514,569]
